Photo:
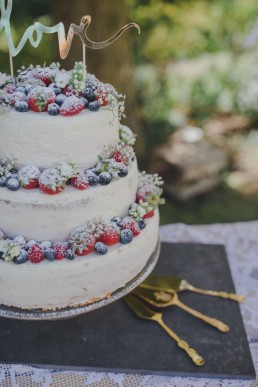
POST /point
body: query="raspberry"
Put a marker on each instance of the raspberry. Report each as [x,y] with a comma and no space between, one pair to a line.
[130,224]
[60,249]
[36,253]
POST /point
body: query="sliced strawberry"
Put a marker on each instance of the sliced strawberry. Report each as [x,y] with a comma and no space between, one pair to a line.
[80,181]
[60,249]
[40,97]
[131,224]
[110,236]
[36,253]
[71,106]
[150,214]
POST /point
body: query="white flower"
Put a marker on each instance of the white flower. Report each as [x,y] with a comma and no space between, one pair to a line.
[68,171]
[62,79]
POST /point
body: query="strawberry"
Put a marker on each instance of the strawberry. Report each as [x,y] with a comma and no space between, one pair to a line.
[40,97]
[36,253]
[45,75]
[89,244]
[141,195]
[60,249]
[149,214]
[131,224]
[28,177]
[71,106]
[110,236]
[51,181]
[80,181]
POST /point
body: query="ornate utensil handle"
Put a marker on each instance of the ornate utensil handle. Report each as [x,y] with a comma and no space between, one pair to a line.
[196,358]
[220,325]
[226,295]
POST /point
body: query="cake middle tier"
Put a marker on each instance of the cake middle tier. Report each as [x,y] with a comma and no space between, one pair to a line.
[38,216]
[44,141]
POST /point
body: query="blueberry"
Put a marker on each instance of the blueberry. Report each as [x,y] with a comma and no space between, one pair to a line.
[29,244]
[91,85]
[12,184]
[101,248]
[94,106]
[56,89]
[60,99]
[21,106]
[49,254]
[53,109]
[69,182]
[46,245]
[21,89]
[92,177]
[2,181]
[123,172]
[85,102]
[14,172]
[142,224]
[116,220]
[22,258]
[28,89]
[89,94]
[70,254]
[105,178]
[126,236]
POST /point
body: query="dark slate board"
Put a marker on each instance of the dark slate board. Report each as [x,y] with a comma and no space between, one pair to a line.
[114,339]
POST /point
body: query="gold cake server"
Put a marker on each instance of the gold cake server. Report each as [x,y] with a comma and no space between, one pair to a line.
[163,299]
[180,284]
[142,311]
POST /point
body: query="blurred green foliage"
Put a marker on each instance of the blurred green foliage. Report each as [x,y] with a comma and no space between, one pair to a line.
[187,28]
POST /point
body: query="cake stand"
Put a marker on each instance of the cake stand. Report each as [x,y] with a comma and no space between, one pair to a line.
[38,314]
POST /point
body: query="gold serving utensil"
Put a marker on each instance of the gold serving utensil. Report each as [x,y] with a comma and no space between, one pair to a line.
[179,284]
[163,299]
[142,311]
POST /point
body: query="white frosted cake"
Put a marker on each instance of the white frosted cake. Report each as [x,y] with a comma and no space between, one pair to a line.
[77,220]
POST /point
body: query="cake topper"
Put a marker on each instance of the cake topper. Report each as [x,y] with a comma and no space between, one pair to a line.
[34,34]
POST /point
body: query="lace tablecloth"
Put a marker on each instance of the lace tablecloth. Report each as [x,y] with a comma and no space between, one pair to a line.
[241,241]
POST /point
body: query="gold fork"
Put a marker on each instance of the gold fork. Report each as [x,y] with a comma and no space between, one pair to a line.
[142,311]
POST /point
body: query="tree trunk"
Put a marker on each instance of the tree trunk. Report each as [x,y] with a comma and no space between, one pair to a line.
[113,64]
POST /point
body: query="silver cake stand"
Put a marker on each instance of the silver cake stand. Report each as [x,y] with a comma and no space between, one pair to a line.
[38,314]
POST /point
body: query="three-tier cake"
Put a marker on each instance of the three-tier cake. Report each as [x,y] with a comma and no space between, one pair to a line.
[77,220]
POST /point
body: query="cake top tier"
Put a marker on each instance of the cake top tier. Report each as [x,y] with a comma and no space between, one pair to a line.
[57,91]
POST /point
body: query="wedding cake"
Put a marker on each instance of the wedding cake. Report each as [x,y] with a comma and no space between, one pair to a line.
[77,220]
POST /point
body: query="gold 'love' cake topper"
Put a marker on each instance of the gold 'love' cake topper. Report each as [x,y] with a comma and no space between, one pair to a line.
[34,34]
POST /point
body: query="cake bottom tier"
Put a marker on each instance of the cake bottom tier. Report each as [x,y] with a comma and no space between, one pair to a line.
[84,280]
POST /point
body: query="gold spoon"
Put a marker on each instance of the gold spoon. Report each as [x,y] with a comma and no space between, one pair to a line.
[162,299]
[179,284]
[142,311]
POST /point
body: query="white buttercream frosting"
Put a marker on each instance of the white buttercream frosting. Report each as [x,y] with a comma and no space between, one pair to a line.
[44,141]
[64,283]
[39,216]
